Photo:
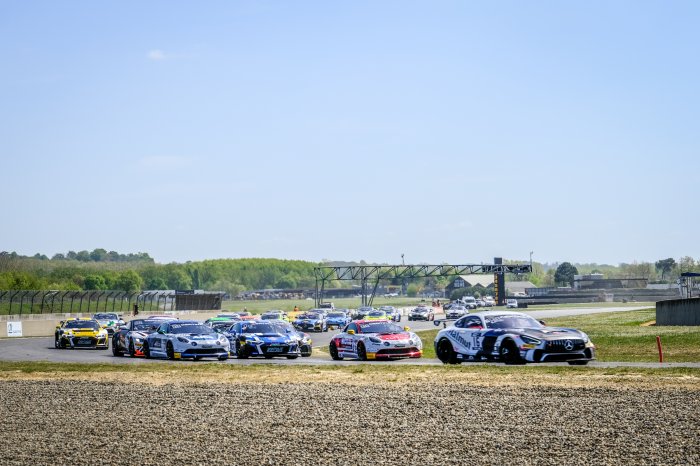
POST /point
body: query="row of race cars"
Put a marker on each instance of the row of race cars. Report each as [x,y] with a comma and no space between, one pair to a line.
[506,336]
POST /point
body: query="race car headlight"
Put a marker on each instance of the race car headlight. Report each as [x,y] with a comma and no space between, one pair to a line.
[585,337]
[138,340]
[375,340]
[183,340]
[222,340]
[530,340]
[411,342]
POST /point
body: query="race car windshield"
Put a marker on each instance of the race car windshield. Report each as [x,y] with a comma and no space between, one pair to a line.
[106,317]
[82,324]
[377,314]
[522,321]
[196,329]
[270,316]
[262,327]
[336,314]
[141,325]
[380,327]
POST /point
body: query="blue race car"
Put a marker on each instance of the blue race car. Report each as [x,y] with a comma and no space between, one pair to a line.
[264,338]
[337,319]
[186,339]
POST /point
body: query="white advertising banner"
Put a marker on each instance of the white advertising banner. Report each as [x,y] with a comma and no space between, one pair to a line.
[14,329]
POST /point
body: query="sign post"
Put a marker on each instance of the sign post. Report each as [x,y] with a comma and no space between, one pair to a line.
[14,329]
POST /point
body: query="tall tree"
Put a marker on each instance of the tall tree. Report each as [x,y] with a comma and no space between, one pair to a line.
[565,273]
[665,266]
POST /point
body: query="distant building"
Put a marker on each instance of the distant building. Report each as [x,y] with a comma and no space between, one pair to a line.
[518,288]
[595,281]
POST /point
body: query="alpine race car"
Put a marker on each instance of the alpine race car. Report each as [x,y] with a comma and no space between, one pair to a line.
[311,322]
[375,339]
[81,333]
[186,339]
[513,338]
[130,337]
[110,320]
[337,319]
[421,313]
[264,338]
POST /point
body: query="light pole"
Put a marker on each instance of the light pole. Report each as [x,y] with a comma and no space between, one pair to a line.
[402,262]
[530,261]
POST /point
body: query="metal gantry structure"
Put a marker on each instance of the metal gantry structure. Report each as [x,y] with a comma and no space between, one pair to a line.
[375,273]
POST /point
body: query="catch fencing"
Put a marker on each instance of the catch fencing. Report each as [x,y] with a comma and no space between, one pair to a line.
[22,302]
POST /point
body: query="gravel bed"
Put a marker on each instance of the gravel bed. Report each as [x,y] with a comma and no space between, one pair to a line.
[67,421]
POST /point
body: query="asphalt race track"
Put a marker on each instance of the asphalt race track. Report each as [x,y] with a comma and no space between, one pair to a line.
[42,348]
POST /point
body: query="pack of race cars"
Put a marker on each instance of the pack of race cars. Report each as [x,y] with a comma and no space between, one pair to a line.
[501,336]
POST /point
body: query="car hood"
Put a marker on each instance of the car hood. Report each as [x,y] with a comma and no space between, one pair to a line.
[270,337]
[551,333]
[392,336]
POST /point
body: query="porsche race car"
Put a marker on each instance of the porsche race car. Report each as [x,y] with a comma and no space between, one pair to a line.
[513,338]
[375,339]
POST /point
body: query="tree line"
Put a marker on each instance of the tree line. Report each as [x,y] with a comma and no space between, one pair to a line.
[132,272]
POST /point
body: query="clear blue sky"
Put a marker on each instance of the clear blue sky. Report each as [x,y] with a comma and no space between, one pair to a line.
[449,131]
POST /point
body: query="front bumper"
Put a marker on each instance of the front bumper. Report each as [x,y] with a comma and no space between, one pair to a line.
[274,349]
[202,353]
[86,342]
[396,353]
[419,317]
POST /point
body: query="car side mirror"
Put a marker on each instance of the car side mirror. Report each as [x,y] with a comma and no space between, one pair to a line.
[351,332]
[542,322]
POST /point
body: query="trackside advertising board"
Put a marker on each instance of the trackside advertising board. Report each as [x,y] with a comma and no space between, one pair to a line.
[14,329]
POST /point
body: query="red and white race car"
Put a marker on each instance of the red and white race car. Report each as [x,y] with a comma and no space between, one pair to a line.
[375,339]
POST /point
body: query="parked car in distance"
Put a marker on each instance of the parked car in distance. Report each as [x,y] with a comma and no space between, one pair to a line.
[469,302]
[511,303]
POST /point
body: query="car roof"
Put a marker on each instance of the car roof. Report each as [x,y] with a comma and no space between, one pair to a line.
[498,313]
[363,321]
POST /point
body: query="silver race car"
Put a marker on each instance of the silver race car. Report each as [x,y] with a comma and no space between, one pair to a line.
[186,339]
[513,338]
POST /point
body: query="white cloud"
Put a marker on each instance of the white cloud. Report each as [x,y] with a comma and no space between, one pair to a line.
[156,55]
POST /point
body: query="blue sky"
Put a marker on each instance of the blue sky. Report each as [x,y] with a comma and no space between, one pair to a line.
[448,131]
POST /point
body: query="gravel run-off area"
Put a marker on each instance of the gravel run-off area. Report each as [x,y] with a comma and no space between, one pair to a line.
[45,420]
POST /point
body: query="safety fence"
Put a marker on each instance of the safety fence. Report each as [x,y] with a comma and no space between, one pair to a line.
[20,302]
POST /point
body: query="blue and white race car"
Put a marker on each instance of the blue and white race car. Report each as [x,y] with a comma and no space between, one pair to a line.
[337,319]
[513,338]
[311,321]
[186,339]
[268,338]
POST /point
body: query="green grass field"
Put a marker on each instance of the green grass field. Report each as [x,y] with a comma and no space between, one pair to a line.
[620,336]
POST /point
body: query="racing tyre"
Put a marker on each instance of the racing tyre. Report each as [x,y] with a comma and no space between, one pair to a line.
[510,354]
[132,349]
[292,356]
[361,352]
[432,316]
[223,358]
[146,350]
[196,358]
[577,363]
[241,351]
[333,349]
[170,351]
[445,352]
